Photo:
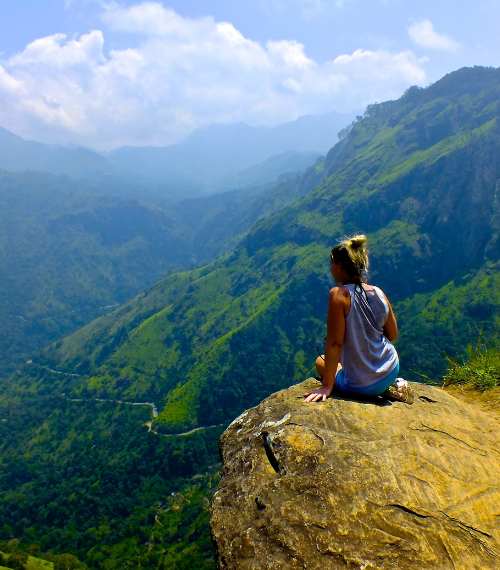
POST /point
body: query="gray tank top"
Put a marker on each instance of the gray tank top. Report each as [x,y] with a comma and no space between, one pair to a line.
[367,356]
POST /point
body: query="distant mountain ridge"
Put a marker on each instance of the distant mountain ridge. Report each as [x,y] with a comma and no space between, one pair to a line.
[206,161]
[274,168]
[214,154]
[19,155]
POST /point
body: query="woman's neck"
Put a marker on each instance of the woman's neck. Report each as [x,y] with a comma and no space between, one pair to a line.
[353,280]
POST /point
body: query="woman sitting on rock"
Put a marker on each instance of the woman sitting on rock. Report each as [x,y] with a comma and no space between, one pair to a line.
[359,357]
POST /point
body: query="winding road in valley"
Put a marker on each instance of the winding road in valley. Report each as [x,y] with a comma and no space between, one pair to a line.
[50,369]
[150,404]
[155,415]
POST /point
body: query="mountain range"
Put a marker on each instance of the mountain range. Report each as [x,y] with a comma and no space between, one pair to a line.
[419,175]
[400,177]
[209,160]
[129,223]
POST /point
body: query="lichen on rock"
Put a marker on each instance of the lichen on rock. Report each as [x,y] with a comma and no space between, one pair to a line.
[359,485]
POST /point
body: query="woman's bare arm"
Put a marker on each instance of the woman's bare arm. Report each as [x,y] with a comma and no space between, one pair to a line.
[334,341]
[391,326]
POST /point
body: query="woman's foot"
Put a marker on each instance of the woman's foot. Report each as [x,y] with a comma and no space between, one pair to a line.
[400,391]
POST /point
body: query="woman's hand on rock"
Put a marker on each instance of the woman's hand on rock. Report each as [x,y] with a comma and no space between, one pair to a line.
[317,395]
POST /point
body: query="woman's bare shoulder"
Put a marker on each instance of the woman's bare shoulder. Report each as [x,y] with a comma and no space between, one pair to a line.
[340,294]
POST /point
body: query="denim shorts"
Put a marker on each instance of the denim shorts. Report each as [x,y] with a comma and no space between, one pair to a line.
[373,390]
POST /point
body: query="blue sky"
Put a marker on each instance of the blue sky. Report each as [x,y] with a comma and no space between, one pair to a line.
[106,73]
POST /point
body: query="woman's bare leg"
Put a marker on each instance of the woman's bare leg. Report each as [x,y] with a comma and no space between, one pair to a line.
[320,366]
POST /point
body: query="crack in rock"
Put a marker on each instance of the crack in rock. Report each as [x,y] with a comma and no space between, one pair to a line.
[429,428]
[410,511]
[268,447]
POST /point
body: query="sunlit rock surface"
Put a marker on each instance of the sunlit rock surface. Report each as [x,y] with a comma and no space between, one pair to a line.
[359,485]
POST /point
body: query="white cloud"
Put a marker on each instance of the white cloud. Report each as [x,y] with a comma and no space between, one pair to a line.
[381,65]
[423,34]
[309,9]
[182,73]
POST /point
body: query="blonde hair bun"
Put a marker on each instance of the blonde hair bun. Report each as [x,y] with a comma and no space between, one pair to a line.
[357,242]
[352,253]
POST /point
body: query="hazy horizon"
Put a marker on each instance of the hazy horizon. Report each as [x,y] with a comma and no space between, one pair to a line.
[106,74]
[202,128]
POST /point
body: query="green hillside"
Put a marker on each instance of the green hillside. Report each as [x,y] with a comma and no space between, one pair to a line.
[67,255]
[419,175]
[221,221]
[71,251]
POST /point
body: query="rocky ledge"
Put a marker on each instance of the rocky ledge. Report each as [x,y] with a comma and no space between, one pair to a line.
[359,485]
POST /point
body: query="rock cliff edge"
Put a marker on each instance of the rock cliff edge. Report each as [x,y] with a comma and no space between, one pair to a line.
[359,485]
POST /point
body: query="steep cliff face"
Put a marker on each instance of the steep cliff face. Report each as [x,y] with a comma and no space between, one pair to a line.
[359,484]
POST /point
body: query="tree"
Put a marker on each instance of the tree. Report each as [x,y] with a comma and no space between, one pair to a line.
[16,561]
[67,562]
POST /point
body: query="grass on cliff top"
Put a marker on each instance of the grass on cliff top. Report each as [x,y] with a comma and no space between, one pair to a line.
[480,369]
[19,559]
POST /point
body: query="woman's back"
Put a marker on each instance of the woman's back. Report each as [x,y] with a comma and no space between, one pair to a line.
[367,355]
[358,355]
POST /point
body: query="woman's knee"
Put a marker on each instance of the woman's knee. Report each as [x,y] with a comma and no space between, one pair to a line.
[320,365]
